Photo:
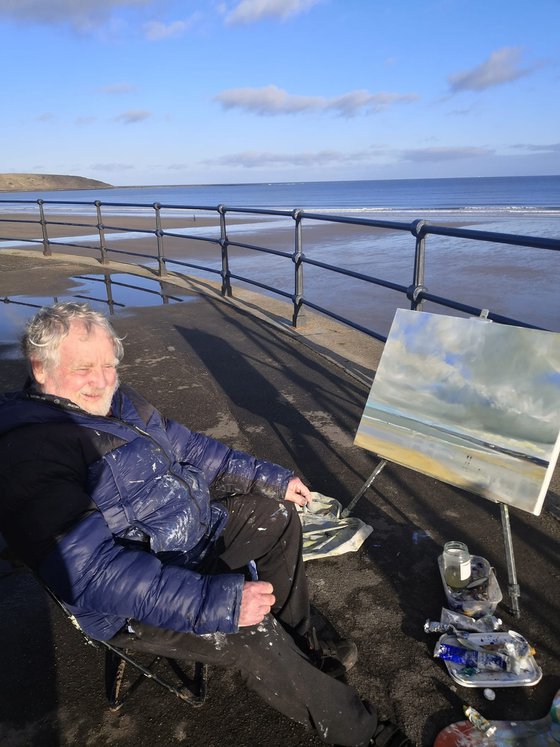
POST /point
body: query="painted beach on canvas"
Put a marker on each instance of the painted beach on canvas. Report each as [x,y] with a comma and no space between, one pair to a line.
[470,402]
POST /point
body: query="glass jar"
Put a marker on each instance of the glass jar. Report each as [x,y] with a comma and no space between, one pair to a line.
[456,564]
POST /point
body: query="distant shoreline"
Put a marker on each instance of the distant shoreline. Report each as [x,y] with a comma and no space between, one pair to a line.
[48,182]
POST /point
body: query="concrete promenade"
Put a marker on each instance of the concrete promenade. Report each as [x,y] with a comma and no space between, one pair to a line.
[239,374]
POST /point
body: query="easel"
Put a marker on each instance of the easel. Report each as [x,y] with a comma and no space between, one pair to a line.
[513,586]
[421,345]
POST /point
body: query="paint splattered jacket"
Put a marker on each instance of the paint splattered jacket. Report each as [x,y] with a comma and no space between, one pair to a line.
[116,513]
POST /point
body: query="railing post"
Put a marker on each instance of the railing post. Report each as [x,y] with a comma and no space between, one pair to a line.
[109,291]
[46,246]
[297,259]
[226,283]
[163,293]
[414,292]
[159,239]
[101,229]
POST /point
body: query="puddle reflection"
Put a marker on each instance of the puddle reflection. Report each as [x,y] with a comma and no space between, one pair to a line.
[116,294]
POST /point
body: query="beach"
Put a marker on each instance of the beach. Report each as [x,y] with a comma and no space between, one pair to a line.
[500,278]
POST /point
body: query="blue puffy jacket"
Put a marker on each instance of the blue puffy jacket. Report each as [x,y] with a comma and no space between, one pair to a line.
[115,513]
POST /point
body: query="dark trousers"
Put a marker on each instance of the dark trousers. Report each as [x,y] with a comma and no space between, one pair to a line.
[266,655]
[269,533]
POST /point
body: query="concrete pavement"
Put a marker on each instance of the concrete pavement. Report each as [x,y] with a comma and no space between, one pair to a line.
[243,377]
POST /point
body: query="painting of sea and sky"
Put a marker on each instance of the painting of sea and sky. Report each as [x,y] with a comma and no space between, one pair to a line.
[470,402]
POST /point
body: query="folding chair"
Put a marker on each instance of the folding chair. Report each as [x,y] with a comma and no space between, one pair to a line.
[192,689]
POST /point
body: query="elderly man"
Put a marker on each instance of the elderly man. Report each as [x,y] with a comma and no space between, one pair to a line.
[145,530]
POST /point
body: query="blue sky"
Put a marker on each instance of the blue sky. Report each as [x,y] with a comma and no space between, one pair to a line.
[137,92]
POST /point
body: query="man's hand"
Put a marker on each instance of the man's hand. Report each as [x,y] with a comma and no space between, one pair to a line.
[297,492]
[256,602]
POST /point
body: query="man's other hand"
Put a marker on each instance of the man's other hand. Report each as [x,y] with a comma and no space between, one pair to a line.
[256,602]
[297,492]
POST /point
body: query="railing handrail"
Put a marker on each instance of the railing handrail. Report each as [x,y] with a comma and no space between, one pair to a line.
[420,229]
[535,242]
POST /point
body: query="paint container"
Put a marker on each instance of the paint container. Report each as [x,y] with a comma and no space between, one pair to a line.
[479,600]
[456,565]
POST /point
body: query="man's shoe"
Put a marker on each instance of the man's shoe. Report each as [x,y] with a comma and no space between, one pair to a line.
[332,657]
[389,735]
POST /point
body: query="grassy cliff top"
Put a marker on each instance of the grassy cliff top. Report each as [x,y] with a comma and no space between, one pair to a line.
[34,182]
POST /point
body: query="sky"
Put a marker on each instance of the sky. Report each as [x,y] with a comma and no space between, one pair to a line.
[153,92]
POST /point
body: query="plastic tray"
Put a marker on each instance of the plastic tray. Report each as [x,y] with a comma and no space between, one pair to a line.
[464,600]
[527,677]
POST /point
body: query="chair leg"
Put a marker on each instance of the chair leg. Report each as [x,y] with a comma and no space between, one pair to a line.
[201,680]
[114,675]
[192,690]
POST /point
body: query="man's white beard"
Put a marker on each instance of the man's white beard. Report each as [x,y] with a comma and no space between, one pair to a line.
[103,405]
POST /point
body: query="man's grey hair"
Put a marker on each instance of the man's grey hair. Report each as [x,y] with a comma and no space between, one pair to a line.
[48,328]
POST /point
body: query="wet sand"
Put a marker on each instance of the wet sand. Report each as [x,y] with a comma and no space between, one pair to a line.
[14,226]
[27,225]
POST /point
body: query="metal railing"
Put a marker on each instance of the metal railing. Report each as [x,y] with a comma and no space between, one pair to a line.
[415,292]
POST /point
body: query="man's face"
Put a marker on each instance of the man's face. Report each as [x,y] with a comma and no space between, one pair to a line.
[86,372]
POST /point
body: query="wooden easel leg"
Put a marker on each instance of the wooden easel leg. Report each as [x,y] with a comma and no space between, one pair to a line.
[513,586]
[364,487]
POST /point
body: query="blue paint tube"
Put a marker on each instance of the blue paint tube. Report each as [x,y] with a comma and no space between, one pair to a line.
[472,659]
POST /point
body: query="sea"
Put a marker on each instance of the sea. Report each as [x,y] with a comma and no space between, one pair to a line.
[530,196]
[518,282]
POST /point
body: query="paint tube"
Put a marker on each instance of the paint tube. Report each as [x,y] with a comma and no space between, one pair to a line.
[486,624]
[434,626]
[482,662]
[451,622]
[478,721]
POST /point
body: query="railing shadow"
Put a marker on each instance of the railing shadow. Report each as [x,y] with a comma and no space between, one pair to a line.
[261,388]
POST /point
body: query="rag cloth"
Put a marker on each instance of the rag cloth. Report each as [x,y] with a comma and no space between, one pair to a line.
[326,533]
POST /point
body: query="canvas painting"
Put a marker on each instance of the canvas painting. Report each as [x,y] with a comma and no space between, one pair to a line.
[470,402]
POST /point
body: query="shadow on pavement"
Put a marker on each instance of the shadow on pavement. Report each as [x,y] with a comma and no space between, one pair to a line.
[29,702]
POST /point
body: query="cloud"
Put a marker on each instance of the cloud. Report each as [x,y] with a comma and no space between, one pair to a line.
[254,159]
[435,155]
[271,100]
[82,14]
[545,148]
[132,116]
[157,30]
[501,67]
[350,104]
[112,167]
[85,120]
[461,112]
[249,11]
[117,88]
